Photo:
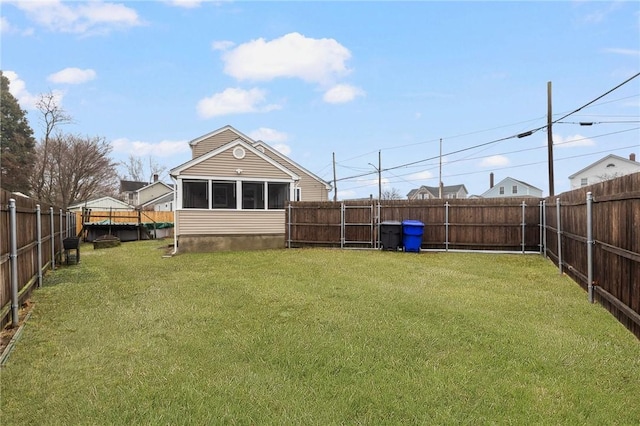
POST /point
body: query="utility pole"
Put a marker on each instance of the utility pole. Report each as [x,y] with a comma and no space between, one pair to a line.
[440,176]
[550,139]
[379,176]
[335,183]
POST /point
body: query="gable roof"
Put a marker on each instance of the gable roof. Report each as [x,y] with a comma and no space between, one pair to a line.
[97,201]
[241,135]
[260,144]
[604,159]
[435,191]
[176,170]
[131,185]
[164,198]
[155,183]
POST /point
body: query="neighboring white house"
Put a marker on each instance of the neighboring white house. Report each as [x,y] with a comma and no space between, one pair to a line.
[510,187]
[163,203]
[609,167]
[101,204]
[151,192]
[429,192]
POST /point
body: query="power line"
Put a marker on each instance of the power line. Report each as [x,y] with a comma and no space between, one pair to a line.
[524,150]
[520,135]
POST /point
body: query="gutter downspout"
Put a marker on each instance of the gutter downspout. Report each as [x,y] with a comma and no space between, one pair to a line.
[175,216]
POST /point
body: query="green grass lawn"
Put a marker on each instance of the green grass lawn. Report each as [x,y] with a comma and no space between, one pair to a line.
[317,337]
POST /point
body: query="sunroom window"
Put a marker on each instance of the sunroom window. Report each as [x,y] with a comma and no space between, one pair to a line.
[195,194]
[252,195]
[224,195]
[278,195]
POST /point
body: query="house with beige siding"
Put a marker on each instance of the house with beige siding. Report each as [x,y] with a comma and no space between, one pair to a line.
[233,193]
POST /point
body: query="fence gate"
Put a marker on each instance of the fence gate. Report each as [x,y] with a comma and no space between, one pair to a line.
[357,226]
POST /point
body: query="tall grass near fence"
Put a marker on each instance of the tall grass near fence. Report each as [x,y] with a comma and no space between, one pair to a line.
[34,253]
[615,243]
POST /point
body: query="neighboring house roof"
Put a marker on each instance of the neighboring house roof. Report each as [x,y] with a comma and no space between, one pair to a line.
[504,183]
[158,183]
[609,157]
[165,198]
[435,191]
[131,185]
[102,201]
[177,170]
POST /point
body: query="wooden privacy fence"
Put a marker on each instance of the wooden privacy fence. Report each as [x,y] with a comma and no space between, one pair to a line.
[513,224]
[31,241]
[593,235]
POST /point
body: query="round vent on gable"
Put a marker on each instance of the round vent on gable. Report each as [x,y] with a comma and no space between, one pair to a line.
[261,149]
[239,152]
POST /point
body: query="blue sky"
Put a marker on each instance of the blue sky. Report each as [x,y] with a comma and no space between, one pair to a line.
[350,78]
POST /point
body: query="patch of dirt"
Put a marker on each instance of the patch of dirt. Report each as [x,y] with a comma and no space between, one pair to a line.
[8,332]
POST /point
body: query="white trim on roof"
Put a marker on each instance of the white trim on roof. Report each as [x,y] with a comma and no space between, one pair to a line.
[602,160]
[259,144]
[154,183]
[195,141]
[97,201]
[175,172]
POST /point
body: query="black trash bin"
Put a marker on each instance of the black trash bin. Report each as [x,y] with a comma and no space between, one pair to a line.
[71,243]
[391,235]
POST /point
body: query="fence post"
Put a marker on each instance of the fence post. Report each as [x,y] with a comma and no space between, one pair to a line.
[590,246]
[540,226]
[446,226]
[342,233]
[289,227]
[39,236]
[559,236]
[379,219]
[61,236]
[524,205]
[53,241]
[544,228]
[13,255]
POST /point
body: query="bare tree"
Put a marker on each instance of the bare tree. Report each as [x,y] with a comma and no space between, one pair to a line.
[52,115]
[136,170]
[76,168]
[391,194]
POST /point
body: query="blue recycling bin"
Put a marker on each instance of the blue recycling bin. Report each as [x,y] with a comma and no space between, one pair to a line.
[412,231]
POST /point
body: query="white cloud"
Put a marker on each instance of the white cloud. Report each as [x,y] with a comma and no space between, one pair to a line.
[141,149]
[494,160]
[290,56]
[282,148]
[346,194]
[222,45]
[273,137]
[571,141]
[622,51]
[234,101]
[342,93]
[268,135]
[72,76]
[420,176]
[81,17]
[187,4]
[18,88]
[5,26]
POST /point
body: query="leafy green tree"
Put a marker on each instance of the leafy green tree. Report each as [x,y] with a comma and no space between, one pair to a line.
[17,144]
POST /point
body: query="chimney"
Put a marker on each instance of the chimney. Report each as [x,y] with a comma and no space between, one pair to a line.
[155,177]
[632,156]
[490,180]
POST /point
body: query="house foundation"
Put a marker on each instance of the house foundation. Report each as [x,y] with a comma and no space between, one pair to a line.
[211,243]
